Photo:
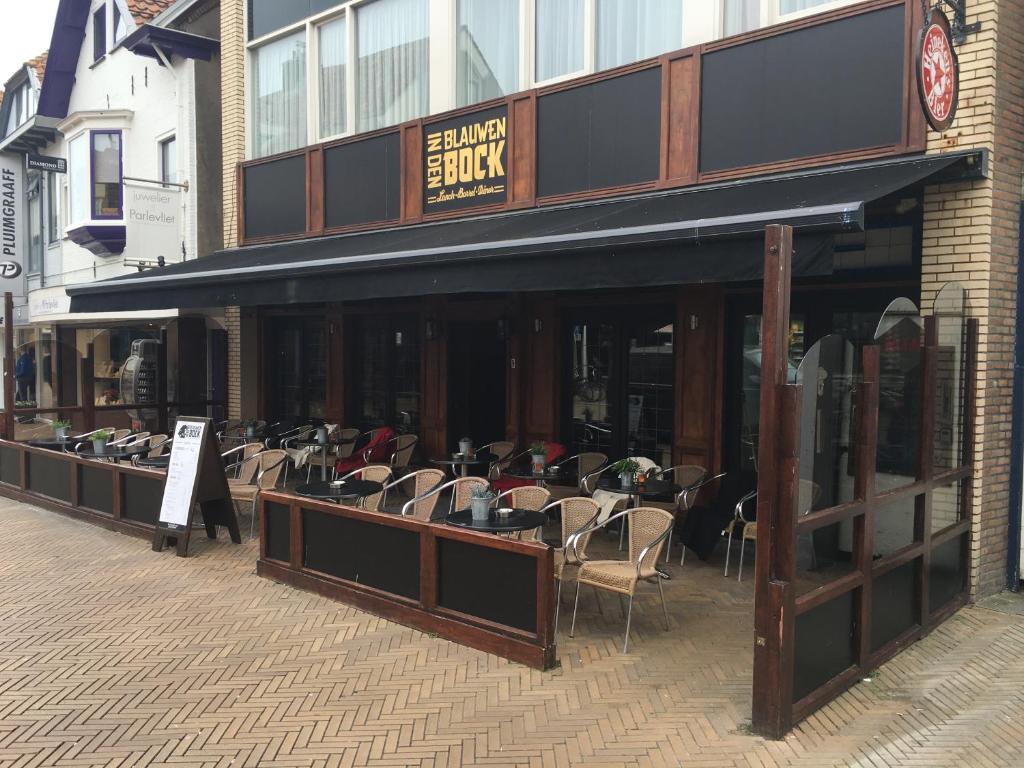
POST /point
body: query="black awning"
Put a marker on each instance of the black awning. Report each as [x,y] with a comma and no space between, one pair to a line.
[697,235]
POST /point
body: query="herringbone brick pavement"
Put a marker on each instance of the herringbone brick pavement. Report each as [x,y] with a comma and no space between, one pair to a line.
[112,655]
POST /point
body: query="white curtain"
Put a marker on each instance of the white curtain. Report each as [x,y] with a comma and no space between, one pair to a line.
[392,68]
[487,49]
[279,95]
[333,52]
[792,6]
[559,36]
[741,16]
[630,30]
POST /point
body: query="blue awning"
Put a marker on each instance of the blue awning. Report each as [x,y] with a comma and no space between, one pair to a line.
[172,42]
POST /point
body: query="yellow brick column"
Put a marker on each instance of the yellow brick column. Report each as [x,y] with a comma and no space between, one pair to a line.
[232,50]
[970,236]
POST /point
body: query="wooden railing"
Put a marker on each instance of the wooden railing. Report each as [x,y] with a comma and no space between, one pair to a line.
[490,593]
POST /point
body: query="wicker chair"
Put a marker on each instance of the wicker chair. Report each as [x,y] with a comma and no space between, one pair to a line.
[379,473]
[462,486]
[266,469]
[127,437]
[586,465]
[578,515]
[157,445]
[527,497]
[237,460]
[648,531]
[503,449]
[422,481]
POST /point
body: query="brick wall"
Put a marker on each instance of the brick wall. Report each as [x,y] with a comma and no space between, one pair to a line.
[232,50]
[971,236]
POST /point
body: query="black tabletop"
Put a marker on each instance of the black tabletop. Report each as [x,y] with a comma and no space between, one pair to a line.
[155,462]
[343,489]
[112,451]
[552,475]
[318,444]
[483,457]
[516,520]
[55,444]
[649,488]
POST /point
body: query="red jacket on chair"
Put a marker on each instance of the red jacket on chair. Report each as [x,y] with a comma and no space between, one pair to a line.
[374,452]
[555,451]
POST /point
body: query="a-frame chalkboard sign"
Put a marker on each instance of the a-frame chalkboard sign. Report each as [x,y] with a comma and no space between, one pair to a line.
[195,476]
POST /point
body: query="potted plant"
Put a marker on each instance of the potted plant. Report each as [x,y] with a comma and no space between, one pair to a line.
[480,499]
[60,429]
[99,440]
[626,469]
[538,456]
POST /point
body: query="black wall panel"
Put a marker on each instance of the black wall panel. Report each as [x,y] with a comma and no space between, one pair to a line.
[141,497]
[948,573]
[278,531]
[375,555]
[488,583]
[601,135]
[275,197]
[829,88]
[362,181]
[894,605]
[96,488]
[10,466]
[48,476]
[824,644]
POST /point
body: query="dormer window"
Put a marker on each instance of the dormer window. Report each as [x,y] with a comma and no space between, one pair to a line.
[120,28]
[99,33]
[109,27]
[21,106]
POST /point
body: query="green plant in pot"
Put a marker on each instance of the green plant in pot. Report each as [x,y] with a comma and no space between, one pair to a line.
[626,469]
[60,429]
[538,456]
[480,498]
[99,440]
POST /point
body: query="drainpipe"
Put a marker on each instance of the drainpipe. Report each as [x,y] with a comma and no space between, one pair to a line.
[1017,434]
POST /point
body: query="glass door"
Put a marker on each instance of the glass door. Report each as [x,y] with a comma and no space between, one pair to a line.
[296,368]
[592,409]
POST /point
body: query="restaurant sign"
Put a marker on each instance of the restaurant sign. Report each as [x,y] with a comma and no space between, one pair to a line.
[466,161]
[938,71]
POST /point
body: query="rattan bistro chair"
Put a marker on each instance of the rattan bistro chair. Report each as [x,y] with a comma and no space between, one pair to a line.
[423,481]
[578,515]
[461,488]
[648,531]
[586,465]
[266,469]
[503,450]
[527,497]
[236,462]
[378,473]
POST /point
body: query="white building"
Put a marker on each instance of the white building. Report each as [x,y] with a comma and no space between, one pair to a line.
[113,148]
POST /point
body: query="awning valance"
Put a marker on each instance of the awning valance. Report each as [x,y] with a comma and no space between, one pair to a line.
[702,234]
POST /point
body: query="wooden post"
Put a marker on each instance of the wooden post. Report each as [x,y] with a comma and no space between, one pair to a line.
[9,363]
[772,713]
[89,388]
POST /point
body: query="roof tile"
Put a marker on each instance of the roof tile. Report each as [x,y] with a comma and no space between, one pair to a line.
[146,10]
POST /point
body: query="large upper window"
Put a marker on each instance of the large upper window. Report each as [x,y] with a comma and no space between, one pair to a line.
[487,50]
[392,64]
[333,51]
[95,174]
[559,35]
[740,16]
[630,30]
[279,95]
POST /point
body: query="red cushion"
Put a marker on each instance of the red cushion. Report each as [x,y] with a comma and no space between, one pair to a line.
[506,483]
[377,450]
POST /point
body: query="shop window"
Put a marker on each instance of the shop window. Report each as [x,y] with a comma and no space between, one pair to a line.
[279,95]
[295,366]
[630,30]
[111,350]
[392,65]
[99,33]
[487,50]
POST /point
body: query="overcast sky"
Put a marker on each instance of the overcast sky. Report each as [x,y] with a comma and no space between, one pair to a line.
[25,27]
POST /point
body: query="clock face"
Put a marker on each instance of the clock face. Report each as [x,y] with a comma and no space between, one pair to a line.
[938,76]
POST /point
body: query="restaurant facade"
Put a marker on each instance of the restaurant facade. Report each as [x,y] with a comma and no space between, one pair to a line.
[520,236]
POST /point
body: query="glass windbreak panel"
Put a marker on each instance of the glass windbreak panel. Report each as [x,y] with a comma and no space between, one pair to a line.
[899,395]
[630,30]
[593,356]
[896,523]
[894,603]
[487,50]
[950,376]
[106,175]
[393,46]
[740,16]
[650,375]
[279,95]
[823,555]
[947,506]
[750,387]
[369,367]
[828,381]
[406,378]
[559,38]
[333,51]
[823,645]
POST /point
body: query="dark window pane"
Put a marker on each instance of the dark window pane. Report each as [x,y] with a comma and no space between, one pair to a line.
[593,365]
[99,33]
[106,174]
[895,524]
[947,506]
[948,574]
[824,644]
[823,555]
[650,408]
[894,604]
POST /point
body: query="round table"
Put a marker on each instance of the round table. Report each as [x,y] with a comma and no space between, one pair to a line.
[155,462]
[344,490]
[115,452]
[55,444]
[636,493]
[517,520]
[560,476]
[323,453]
[465,461]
